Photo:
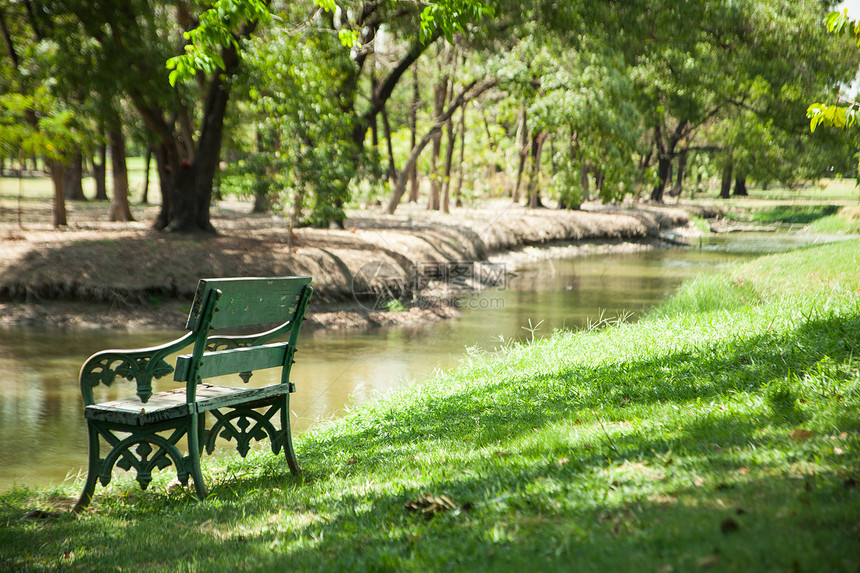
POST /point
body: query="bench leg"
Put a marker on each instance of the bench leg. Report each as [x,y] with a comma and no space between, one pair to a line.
[194,457]
[93,469]
[289,452]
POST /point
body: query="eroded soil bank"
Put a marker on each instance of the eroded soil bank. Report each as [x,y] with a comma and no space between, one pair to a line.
[99,274]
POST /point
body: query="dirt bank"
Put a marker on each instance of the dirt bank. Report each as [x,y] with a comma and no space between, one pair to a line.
[127,276]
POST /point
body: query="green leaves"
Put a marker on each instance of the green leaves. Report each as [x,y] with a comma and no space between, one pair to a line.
[451,16]
[56,129]
[834,115]
[219,28]
[348,38]
[831,116]
[838,22]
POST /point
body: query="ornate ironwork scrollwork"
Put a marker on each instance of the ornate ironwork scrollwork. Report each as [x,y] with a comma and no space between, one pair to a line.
[243,425]
[137,452]
[139,369]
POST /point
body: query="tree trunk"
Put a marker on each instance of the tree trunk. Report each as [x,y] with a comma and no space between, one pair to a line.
[119,209]
[187,168]
[458,190]
[262,202]
[665,146]
[73,176]
[413,134]
[391,175]
[466,95]
[187,195]
[741,186]
[263,194]
[522,145]
[440,93]
[58,177]
[186,198]
[726,184]
[583,180]
[679,176]
[449,160]
[374,121]
[534,173]
[599,178]
[100,173]
[147,160]
[664,173]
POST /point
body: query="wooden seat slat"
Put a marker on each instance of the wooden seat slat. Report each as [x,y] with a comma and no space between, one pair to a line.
[171,404]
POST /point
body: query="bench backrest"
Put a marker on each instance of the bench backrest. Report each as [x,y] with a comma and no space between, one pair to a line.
[243,302]
[250,301]
[218,303]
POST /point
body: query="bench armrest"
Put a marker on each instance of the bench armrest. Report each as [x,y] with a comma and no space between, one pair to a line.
[140,365]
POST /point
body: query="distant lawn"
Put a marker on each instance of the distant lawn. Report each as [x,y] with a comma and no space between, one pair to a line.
[35,194]
[794,214]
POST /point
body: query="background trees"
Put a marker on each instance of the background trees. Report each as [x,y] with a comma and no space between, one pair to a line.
[323,102]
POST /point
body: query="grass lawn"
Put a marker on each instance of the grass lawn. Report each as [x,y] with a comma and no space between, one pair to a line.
[720,433]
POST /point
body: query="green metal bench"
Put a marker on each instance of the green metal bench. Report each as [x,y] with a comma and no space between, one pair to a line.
[144,432]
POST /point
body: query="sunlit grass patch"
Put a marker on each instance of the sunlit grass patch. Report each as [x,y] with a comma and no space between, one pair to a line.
[847,220]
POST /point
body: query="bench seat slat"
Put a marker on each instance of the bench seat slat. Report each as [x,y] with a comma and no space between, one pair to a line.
[171,404]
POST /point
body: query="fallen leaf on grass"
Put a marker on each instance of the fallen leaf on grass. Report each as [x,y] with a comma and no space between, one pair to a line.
[503,454]
[800,434]
[174,485]
[429,505]
[708,561]
[352,461]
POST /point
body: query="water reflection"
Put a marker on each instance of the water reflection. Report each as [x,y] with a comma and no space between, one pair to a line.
[42,430]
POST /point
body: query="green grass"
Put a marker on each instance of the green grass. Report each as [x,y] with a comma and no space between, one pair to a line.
[847,220]
[794,214]
[838,190]
[33,195]
[720,432]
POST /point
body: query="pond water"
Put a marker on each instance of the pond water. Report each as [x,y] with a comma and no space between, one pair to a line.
[42,429]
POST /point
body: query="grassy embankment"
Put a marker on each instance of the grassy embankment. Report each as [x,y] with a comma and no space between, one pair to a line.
[722,432]
[830,207]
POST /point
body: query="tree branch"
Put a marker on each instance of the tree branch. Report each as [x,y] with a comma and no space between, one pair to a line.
[465,95]
[386,87]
